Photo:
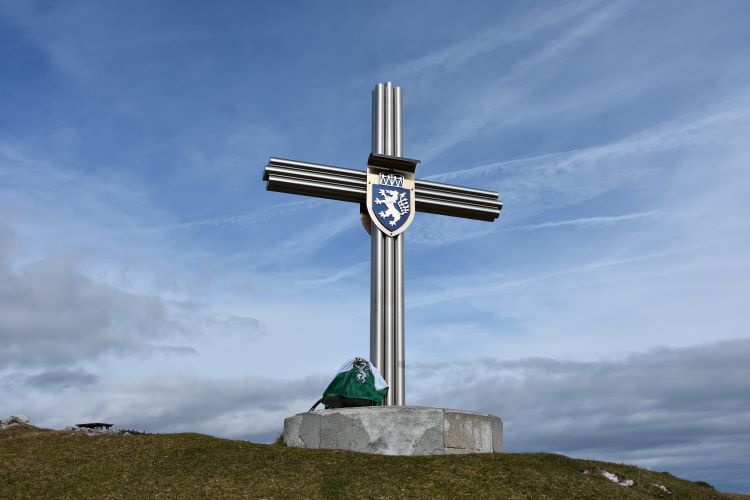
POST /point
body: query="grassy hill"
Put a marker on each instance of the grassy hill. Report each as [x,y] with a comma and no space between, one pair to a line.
[41,463]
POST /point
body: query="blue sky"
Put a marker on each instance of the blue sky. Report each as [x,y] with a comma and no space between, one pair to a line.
[148,279]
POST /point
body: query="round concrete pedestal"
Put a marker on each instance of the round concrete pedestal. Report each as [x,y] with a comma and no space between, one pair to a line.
[396,430]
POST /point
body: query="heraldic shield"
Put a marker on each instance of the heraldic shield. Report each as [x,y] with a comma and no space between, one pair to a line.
[390,200]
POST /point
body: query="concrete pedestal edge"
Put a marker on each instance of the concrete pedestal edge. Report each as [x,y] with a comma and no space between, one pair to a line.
[396,430]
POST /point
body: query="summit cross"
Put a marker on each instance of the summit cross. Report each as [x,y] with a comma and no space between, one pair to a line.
[388,195]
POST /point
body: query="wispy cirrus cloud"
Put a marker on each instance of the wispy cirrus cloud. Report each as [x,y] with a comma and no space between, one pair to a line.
[719,124]
[503,94]
[498,34]
[542,184]
[485,286]
[355,270]
[585,221]
[259,216]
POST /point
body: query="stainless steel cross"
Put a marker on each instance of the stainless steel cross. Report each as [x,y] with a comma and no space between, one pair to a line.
[387,250]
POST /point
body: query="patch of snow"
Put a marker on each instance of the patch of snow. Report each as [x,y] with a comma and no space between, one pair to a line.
[99,431]
[13,421]
[662,487]
[615,479]
[611,477]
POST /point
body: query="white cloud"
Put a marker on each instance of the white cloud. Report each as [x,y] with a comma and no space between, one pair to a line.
[52,314]
[667,408]
[242,407]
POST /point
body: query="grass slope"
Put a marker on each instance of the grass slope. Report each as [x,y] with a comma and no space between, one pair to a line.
[39,463]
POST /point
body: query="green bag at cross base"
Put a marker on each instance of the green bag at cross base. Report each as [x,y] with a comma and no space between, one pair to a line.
[357,383]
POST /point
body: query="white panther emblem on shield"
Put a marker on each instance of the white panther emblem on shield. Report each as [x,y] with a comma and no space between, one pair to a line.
[397,204]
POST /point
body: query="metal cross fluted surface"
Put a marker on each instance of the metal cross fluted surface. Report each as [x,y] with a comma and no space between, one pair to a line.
[387,241]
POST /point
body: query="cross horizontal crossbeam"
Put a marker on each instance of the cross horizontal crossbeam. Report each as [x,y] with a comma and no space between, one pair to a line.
[335,183]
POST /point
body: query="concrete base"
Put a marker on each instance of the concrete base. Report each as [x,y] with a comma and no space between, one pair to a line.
[396,430]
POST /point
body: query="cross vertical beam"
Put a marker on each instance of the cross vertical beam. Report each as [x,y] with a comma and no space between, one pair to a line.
[387,257]
[399,361]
